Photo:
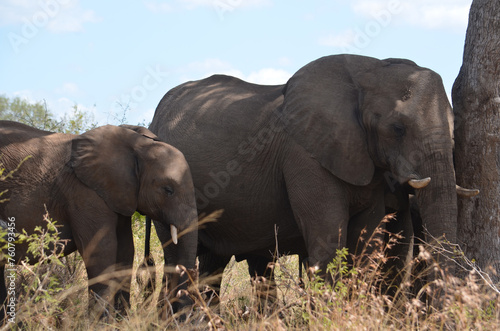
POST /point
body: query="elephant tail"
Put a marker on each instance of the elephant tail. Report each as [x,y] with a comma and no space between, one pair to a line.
[148,274]
[302,262]
[148,259]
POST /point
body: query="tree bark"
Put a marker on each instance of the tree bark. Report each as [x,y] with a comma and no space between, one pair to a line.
[476,102]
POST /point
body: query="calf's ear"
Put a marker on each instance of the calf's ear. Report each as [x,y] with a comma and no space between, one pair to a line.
[104,160]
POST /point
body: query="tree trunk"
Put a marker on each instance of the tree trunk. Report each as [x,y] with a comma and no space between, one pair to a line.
[476,102]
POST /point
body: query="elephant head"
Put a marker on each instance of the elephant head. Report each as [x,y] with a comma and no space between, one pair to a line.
[131,170]
[357,114]
[172,190]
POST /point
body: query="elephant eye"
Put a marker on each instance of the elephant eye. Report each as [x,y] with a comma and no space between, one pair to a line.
[399,130]
[169,190]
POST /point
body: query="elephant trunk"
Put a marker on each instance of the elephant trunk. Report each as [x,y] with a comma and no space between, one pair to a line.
[180,258]
[188,243]
[438,202]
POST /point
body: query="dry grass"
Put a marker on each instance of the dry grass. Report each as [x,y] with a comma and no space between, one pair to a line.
[54,296]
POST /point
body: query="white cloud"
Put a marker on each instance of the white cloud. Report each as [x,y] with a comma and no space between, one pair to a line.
[200,69]
[55,15]
[429,14]
[269,76]
[380,14]
[208,67]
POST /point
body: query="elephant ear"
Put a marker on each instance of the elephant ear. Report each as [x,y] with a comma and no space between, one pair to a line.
[141,130]
[104,160]
[321,112]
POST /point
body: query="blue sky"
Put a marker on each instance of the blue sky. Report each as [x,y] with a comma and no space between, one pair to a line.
[106,56]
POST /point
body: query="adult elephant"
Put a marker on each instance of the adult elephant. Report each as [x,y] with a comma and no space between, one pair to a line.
[309,161]
[91,184]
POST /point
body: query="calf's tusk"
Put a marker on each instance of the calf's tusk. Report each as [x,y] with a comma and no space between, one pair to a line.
[173,232]
[467,193]
[419,183]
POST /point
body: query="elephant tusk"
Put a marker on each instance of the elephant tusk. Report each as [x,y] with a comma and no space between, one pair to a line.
[467,193]
[419,183]
[173,232]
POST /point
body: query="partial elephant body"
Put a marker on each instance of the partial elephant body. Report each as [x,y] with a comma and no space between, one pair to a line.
[29,200]
[240,168]
[91,184]
[311,160]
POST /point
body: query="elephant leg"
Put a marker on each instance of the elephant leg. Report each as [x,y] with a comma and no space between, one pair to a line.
[397,268]
[361,235]
[96,241]
[211,269]
[124,261]
[320,205]
[99,258]
[366,241]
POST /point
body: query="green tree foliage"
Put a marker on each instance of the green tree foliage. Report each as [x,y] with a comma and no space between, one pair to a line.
[77,122]
[39,116]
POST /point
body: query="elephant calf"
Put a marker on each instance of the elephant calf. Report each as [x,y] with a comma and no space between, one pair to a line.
[91,184]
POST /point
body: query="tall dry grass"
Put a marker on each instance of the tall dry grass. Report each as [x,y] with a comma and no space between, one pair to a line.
[53,295]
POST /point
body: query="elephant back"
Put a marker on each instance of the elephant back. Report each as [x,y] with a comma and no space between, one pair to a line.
[216,113]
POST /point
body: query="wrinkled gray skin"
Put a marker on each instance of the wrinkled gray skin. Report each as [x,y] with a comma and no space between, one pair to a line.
[91,184]
[310,159]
